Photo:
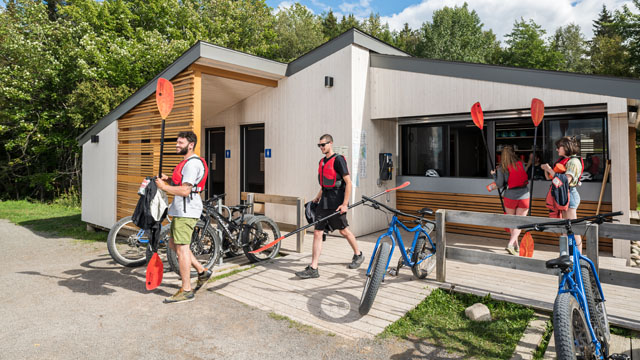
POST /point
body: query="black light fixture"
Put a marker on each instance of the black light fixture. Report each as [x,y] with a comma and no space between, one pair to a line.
[328,81]
[95,138]
[633,115]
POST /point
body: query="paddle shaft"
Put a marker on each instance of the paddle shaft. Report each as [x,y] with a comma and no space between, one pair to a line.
[533,167]
[161,148]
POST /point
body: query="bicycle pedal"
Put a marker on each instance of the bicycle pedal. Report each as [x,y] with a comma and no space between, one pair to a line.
[619,357]
[392,272]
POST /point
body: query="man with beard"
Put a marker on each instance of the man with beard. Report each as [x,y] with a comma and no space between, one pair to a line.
[185,184]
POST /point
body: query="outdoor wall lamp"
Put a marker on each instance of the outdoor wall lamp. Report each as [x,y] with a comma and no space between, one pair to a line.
[633,115]
[95,138]
[328,81]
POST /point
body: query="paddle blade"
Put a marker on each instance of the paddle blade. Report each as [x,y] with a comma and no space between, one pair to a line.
[267,246]
[164,97]
[404,185]
[537,111]
[155,269]
[526,245]
[477,115]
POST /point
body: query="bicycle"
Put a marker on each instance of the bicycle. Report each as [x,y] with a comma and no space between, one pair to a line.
[244,232]
[420,256]
[127,243]
[580,322]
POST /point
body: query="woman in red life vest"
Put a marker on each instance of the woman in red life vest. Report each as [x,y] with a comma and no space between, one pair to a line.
[512,175]
[572,166]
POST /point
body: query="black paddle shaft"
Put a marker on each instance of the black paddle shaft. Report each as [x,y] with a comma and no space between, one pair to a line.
[161,148]
[484,141]
[533,166]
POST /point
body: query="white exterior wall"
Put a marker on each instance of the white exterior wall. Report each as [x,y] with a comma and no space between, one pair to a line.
[99,178]
[295,115]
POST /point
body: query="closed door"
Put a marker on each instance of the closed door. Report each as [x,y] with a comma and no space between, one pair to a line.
[215,159]
[252,158]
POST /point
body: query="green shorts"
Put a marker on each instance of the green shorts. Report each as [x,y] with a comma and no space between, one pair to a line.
[182,229]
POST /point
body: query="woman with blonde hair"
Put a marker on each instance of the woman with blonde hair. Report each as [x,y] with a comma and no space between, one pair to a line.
[511,174]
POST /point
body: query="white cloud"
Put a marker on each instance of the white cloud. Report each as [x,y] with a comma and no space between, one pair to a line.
[500,15]
[360,9]
[284,5]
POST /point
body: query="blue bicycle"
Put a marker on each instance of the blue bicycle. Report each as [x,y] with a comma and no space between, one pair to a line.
[420,256]
[580,321]
[127,243]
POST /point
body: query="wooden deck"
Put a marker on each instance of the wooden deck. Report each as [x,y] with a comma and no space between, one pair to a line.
[331,302]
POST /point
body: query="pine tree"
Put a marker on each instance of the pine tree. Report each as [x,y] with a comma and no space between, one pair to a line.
[330,27]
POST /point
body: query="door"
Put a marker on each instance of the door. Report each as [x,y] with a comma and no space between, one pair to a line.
[215,158]
[252,158]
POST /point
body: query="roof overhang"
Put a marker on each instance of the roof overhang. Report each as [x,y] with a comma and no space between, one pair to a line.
[558,80]
[229,63]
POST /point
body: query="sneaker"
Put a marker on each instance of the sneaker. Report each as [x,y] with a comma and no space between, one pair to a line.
[203,278]
[511,250]
[180,296]
[356,261]
[308,273]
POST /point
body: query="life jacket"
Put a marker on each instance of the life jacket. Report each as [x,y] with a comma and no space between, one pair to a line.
[517,176]
[176,178]
[327,175]
[560,166]
[557,199]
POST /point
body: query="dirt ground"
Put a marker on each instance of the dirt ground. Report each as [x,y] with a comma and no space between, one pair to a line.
[66,299]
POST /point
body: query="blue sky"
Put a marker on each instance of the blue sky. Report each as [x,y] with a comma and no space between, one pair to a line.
[498,15]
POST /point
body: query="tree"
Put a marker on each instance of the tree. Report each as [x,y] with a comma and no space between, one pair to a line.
[603,26]
[374,27]
[627,24]
[298,31]
[456,34]
[570,43]
[608,52]
[527,48]
[330,27]
[348,22]
[406,39]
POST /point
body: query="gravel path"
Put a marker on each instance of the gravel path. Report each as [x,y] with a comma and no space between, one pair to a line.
[66,299]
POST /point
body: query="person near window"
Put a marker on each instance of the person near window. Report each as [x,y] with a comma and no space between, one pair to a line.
[511,174]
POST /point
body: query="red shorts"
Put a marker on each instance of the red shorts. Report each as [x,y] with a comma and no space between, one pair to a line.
[516,204]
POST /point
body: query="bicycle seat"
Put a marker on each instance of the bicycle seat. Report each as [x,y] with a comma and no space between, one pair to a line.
[563,262]
[425,211]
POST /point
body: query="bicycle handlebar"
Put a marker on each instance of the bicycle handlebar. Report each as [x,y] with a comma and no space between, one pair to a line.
[567,222]
[214,198]
[396,211]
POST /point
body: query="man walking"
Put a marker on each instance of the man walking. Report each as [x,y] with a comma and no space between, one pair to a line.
[335,188]
[185,184]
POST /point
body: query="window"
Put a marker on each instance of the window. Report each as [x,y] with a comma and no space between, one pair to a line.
[424,149]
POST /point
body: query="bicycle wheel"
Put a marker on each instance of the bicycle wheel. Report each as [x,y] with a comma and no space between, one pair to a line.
[381,258]
[422,250]
[205,248]
[259,231]
[124,243]
[597,309]
[572,337]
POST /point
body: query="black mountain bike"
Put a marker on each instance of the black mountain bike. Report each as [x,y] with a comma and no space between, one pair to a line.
[216,235]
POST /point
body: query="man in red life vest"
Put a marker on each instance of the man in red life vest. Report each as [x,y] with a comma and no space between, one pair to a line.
[335,189]
[186,183]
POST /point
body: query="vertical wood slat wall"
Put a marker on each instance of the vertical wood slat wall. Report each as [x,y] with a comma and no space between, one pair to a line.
[139,138]
[412,201]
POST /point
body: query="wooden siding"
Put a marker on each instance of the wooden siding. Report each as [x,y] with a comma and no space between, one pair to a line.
[412,201]
[139,139]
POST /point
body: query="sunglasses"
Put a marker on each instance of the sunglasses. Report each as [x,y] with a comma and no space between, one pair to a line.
[323,144]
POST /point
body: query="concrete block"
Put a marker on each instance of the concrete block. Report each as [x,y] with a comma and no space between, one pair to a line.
[530,339]
[478,312]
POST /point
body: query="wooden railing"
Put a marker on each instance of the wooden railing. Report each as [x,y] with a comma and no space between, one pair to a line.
[259,201]
[592,234]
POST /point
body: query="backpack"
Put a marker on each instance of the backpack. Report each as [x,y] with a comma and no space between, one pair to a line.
[557,199]
[517,176]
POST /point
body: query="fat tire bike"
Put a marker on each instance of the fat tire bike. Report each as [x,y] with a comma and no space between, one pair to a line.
[128,244]
[580,323]
[420,256]
[217,234]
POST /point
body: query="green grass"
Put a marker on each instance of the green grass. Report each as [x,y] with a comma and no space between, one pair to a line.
[55,219]
[544,343]
[440,319]
[625,332]
[232,272]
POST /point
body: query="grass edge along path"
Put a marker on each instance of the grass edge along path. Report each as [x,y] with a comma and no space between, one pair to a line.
[439,319]
[56,219]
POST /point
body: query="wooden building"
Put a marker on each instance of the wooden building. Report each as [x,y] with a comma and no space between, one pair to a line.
[258,122]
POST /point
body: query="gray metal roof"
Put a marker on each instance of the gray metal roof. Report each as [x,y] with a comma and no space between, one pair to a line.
[559,80]
[221,54]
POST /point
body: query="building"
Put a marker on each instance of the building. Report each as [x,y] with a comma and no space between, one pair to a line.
[258,122]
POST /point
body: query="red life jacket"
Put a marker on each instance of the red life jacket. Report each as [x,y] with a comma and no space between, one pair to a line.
[517,176]
[176,178]
[564,161]
[327,175]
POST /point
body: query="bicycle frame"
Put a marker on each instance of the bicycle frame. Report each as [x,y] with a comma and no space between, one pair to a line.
[576,287]
[394,232]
